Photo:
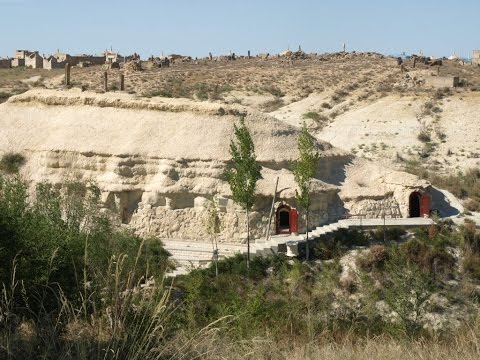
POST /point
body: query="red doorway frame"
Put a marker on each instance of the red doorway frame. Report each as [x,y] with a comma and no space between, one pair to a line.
[292,220]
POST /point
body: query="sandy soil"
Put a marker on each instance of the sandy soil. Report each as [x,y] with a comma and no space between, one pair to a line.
[357,102]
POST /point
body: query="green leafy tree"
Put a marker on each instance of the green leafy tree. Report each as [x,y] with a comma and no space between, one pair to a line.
[213,227]
[304,170]
[243,172]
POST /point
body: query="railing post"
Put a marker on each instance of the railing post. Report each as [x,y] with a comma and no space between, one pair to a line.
[122,82]
[105,81]
[67,74]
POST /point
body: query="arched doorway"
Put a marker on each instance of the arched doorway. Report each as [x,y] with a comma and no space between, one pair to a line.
[286,220]
[419,204]
[414,204]
[283,219]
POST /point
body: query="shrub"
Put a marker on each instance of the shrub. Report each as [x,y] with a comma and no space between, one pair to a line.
[11,162]
[335,246]
[339,94]
[472,205]
[427,257]
[60,241]
[471,265]
[4,96]
[272,105]
[218,90]
[374,259]
[334,114]
[318,120]
[424,136]
[406,291]
[312,115]
[326,105]
[201,91]
[161,92]
[441,93]
[271,89]
[471,236]
[390,234]
[384,88]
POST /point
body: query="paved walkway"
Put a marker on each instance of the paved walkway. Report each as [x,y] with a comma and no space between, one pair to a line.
[188,255]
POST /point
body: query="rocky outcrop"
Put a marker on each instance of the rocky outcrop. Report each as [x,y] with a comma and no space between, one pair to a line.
[159,161]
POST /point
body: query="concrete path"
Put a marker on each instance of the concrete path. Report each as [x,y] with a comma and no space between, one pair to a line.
[188,255]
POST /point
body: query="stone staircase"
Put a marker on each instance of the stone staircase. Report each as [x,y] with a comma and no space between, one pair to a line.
[190,255]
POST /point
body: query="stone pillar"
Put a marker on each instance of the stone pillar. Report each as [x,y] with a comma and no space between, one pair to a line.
[122,82]
[414,61]
[67,74]
[249,54]
[169,203]
[210,56]
[105,81]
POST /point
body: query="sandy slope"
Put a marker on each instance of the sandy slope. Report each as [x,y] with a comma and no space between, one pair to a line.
[388,127]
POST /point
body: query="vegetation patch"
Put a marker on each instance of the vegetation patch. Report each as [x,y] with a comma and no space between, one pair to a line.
[272,105]
[11,162]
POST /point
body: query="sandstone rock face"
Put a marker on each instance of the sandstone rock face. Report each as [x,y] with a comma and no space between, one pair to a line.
[158,162]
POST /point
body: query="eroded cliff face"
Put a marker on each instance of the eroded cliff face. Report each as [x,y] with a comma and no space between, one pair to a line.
[158,162]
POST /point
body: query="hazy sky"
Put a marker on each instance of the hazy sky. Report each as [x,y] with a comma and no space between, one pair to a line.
[195,27]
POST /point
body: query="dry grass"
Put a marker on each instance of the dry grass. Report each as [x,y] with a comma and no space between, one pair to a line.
[255,75]
[211,344]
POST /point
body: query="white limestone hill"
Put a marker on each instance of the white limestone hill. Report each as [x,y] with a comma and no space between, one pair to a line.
[388,128]
[157,161]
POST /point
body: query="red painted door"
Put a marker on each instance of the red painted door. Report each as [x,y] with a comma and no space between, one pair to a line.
[425,204]
[293,220]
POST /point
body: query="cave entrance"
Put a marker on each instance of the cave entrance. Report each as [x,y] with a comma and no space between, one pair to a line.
[414,204]
[286,220]
[419,204]
[129,201]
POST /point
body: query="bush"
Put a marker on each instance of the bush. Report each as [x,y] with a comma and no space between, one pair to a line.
[374,259]
[427,257]
[339,94]
[272,105]
[471,265]
[424,136]
[471,237]
[406,291]
[335,246]
[312,115]
[318,120]
[326,105]
[68,278]
[201,91]
[161,92]
[11,162]
[59,241]
[441,93]
[472,205]
[389,233]
[4,96]
[275,91]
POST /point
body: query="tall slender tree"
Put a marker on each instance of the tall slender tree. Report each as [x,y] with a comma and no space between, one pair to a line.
[243,172]
[213,227]
[304,171]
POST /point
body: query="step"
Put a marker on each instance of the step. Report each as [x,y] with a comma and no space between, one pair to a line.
[319,231]
[177,272]
[193,256]
[332,227]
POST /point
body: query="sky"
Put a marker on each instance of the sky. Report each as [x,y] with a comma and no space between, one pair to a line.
[197,27]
